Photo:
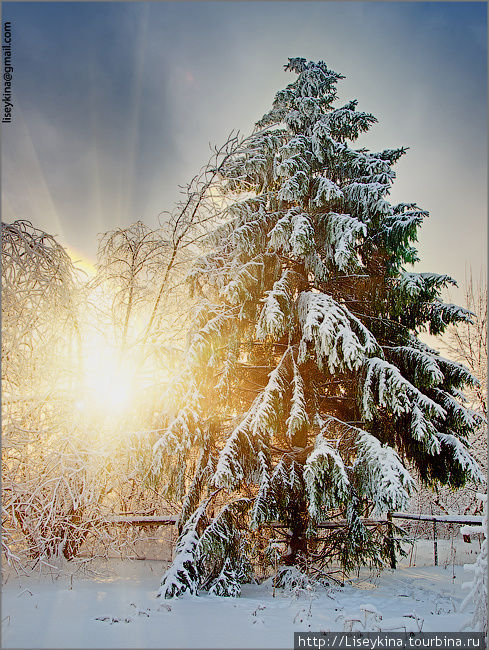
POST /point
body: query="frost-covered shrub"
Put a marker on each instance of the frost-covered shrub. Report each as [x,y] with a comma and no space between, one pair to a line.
[478,586]
[226,583]
[292,578]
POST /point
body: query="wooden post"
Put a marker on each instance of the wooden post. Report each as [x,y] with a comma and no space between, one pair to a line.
[390,537]
[435,543]
[276,570]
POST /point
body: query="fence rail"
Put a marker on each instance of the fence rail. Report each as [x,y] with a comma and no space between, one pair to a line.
[143,520]
[150,520]
[444,519]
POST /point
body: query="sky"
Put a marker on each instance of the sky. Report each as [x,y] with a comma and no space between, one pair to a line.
[116,105]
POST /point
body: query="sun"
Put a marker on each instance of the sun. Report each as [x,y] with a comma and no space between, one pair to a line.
[108,382]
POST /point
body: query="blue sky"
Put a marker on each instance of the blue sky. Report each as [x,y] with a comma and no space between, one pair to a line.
[116,104]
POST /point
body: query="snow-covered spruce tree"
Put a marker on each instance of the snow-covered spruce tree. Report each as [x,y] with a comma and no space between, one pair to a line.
[308,392]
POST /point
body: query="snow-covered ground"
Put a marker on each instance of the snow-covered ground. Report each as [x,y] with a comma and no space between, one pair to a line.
[116,606]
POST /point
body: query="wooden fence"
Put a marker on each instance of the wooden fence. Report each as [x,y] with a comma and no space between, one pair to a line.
[472,520]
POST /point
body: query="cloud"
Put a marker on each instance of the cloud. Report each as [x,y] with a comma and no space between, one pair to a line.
[118,103]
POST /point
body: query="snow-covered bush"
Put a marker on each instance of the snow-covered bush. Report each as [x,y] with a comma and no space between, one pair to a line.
[210,553]
[478,586]
[66,467]
[291,578]
[226,583]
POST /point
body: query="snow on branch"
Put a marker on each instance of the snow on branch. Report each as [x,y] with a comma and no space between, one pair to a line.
[287,167]
[251,166]
[413,285]
[293,233]
[323,143]
[279,236]
[250,236]
[442,314]
[302,236]
[221,532]
[226,583]
[384,478]
[201,544]
[231,465]
[456,373]
[298,418]
[326,479]
[263,506]
[424,366]
[206,337]
[295,188]
[228,373]
[182,431]
[292,156]
[390,155]
[183,574]
[203,473]
[243,281]
[315,265]
[326,191]
[316,81]
[278,487]
[347,122]
[367,198]
[462,457]
[238,217]
[423,430]
[275,316]
[338,337]
[240,454]
[401,228]
[342,233]
[465,419]
[393,391]
[366,165]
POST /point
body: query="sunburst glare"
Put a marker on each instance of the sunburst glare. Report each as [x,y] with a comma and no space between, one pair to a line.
[108,383]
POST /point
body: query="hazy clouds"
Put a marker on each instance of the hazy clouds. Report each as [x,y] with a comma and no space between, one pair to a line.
[115,104]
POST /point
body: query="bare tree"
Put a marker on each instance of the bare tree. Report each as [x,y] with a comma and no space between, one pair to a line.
[40,352]
[141,274]
[64,472]
[187,224]
[38,300]
[66,469]
[467,342]
[143,268]
[129,262]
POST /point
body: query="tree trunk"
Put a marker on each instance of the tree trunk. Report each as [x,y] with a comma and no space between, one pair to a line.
[297,540]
